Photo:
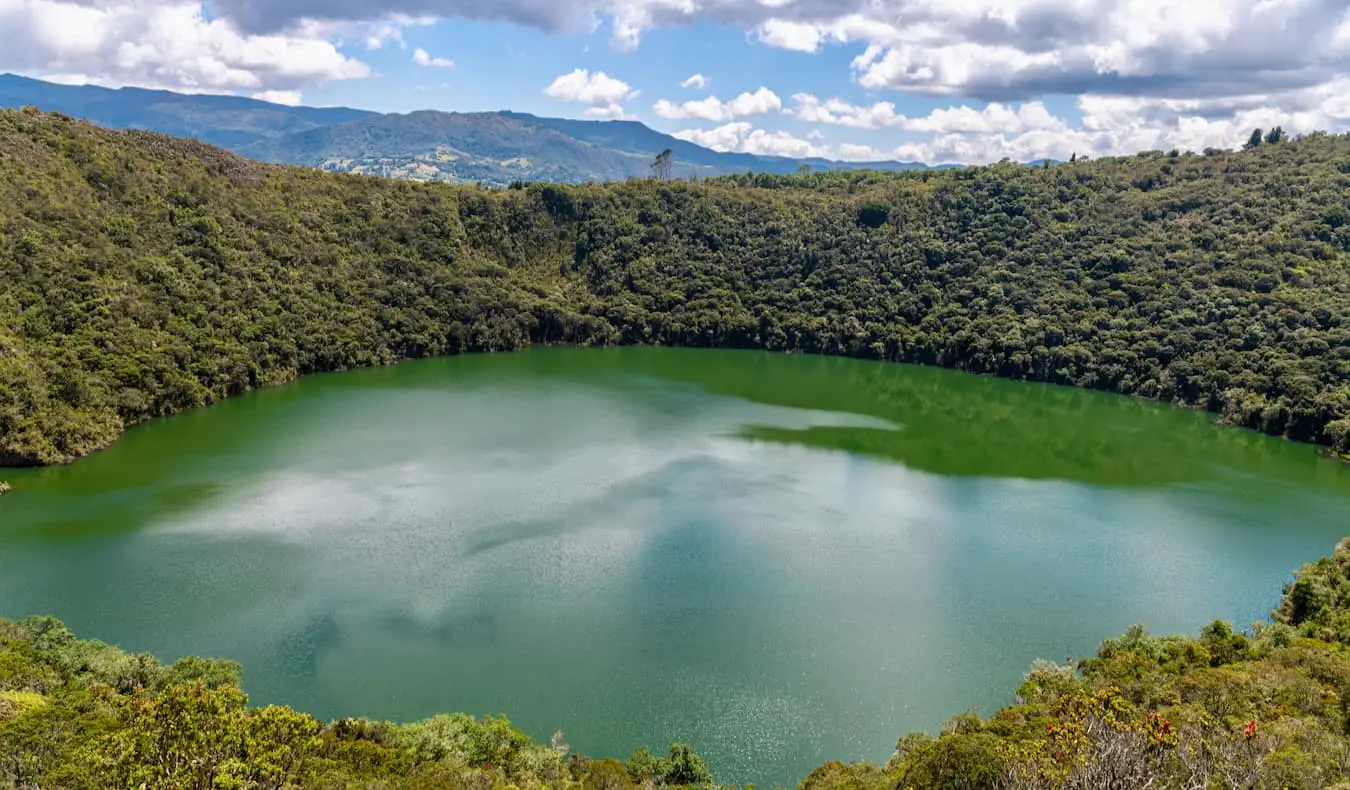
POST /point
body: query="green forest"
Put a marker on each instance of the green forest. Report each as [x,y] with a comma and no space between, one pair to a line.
[141,275]
[1268,708]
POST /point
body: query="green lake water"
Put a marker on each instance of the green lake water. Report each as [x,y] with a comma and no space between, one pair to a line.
[781,560]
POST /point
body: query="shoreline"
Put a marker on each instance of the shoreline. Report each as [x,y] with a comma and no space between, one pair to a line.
[7,458]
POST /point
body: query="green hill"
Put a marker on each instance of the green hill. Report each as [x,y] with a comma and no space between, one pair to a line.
[444,146]
[141,275]
[226,121]
[502,147]
[495,148]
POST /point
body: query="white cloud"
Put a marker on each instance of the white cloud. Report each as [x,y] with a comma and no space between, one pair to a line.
[811,109]
[289,98]
[743,137]
[850,152]
[994,117]
[785,34]
[1148,73]
[162,45]
[761,102]
[1005,50]
[599,90]
[375,35]
[609,112]
[1115,125]
[383,34]
[422,58]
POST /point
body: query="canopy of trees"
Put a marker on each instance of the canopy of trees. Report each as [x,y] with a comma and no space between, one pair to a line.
[80,714]
[141,275]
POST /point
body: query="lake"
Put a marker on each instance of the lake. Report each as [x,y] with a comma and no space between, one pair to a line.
[781,560]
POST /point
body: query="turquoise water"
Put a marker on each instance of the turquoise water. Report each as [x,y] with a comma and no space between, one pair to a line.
[781,560]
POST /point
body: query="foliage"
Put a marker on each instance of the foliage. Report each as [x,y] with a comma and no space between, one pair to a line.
[68,721]
[142,275]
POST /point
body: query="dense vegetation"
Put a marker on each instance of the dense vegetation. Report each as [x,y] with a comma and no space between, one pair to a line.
[141,275]
[83,714]
[1266,709]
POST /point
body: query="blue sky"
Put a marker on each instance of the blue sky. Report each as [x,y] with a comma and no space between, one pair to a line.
[500,66]
[928,80]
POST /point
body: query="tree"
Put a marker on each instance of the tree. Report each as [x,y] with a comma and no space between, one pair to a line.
[1254,140]
[1276,135]
[803,169]
[683,767]
[641,764]
[873,214]
[663,164]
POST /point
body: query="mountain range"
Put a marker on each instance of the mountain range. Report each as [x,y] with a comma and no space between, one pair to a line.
[487,147]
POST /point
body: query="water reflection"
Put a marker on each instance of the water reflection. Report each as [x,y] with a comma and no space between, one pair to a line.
[783,560]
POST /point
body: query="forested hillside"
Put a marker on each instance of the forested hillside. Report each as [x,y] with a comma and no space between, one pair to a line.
[220,120]
[141,275]
[1261,709]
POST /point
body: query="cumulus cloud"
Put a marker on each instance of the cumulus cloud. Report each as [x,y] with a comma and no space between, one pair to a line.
[608,112]
[1004,50]
[851,152]
[274,15]
[605,94]
[761,102]
[289,98]
[786,34]
[1120,125]
[743,137]
[581,85]
[1149,73]
[163,45]
[995,117]
[422,58]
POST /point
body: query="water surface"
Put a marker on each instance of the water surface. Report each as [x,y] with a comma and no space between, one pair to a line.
[782,560]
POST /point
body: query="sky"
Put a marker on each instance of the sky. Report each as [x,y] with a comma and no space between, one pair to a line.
[969,81]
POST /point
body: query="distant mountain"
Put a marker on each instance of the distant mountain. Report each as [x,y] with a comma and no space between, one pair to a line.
[634,137]
[491,147]
[227,121]
[500,147]
[429,145]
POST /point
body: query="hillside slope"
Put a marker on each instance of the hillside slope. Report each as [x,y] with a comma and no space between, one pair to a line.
[495,148]
[451,146]
[141,275]
[227,121]
[502,147]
